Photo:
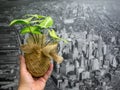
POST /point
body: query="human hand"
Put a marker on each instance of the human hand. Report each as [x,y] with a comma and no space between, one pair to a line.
[27,82]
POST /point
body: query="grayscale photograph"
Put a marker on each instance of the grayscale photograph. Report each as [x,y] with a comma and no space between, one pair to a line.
[91,56]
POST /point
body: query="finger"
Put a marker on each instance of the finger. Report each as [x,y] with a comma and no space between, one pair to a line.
[22,64]
[48,73]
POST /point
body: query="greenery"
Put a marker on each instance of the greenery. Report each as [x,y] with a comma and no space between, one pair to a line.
[35,24]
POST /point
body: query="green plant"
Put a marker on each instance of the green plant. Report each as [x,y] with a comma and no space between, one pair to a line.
[35,24]
[41,44]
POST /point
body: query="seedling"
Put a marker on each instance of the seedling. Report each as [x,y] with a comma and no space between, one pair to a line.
[41,45]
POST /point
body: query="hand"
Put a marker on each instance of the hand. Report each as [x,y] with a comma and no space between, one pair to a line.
[27,82]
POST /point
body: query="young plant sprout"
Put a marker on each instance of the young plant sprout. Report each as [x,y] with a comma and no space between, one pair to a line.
[41,44]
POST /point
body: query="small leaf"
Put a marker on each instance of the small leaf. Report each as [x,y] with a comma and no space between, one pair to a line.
[19,21]
[29,19]
[25,30]
[35,15]
[31,29]
[36,21]
[36,32]
[53,34]
[46,23]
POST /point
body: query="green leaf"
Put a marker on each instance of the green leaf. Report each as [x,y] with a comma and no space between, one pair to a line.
[46,23]
[28,19]
[19,21]
[36,32]
[36,21]
[53,34]
[35,15]
[25,30]
[31,29]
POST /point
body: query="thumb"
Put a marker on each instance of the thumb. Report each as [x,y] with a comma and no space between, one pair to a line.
[22,64]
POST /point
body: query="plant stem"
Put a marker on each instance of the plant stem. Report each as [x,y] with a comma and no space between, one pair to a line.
[42,41]
[32,34]
[49,42]
[33,37]
[37,38]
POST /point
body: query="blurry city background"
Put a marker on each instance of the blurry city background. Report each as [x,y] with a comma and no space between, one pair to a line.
[92,56]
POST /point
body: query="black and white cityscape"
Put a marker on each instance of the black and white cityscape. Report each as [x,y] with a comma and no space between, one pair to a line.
[92,54]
